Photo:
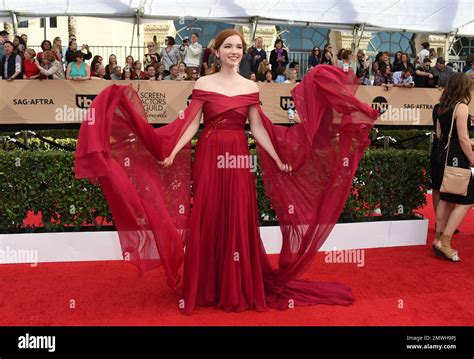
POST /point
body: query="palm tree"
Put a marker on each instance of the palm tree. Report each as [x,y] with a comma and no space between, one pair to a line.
[8,27]
[71,25]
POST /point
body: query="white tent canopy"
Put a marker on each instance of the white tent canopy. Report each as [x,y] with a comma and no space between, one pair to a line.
[434,16]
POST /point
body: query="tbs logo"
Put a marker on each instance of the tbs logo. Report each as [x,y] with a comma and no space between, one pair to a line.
[84,101]
[286,102]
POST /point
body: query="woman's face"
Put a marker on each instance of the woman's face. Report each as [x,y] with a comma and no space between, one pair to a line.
[27,55]
[161,69]
[317,51]
[182,67]
[130,61]
[113,59]
[99,60]
[231,51]
[16,41]
[46,46]
[387,70]
[58,42]
[399,55]
[138,65]
[404,58]
[268,76]
[25,38]
[279,45]
[127,75]
[253,77]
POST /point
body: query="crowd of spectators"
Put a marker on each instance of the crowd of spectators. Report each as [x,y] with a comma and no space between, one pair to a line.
[189,60]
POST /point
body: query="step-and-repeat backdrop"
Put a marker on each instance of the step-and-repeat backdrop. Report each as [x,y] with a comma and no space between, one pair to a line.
[62,101]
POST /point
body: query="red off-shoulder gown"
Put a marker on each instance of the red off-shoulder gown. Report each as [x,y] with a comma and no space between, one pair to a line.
[217,237]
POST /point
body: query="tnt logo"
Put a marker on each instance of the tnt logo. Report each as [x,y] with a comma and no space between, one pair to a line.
[286,102]
[84,101]
[380,103]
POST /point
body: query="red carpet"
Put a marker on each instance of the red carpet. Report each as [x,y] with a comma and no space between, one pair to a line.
[397,286]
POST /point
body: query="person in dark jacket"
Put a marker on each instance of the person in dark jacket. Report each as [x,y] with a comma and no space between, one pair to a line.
[10,63]
[258,54]
[278,57]
[71,51]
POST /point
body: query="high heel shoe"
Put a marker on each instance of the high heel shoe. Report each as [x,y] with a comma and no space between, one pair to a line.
[436,249]
[448,252]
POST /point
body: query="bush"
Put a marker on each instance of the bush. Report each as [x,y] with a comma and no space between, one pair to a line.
[43,181]
[395,181]
[55,134]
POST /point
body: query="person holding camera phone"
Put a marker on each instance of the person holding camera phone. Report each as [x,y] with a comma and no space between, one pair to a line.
[73,48]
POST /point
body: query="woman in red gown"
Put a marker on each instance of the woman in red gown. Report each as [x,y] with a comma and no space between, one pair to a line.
[147,177]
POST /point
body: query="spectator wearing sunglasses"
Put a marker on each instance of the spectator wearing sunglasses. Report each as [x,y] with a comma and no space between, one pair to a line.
[192,75]
[151,58]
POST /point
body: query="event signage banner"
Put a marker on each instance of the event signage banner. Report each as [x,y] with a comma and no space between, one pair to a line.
[62,101]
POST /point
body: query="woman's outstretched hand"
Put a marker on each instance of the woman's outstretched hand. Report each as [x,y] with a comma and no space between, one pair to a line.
[296,118]
[285,167]
[168,161]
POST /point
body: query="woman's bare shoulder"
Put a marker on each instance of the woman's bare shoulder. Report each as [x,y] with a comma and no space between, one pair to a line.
[204,82]
[462,112]
[251,85]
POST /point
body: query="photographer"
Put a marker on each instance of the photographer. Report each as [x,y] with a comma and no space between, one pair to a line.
[191,52]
